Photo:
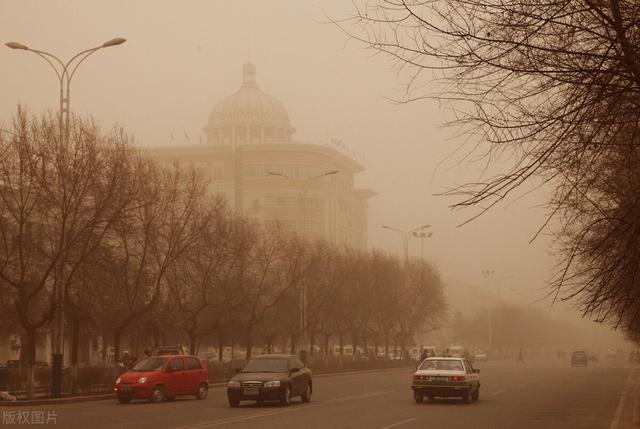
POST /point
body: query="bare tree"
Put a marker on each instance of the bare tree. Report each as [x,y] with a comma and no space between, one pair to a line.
[154,231]
[270,266]
[551,86]
[58,198]
[196,280]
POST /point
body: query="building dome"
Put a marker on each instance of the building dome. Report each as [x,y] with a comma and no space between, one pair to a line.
[248,116]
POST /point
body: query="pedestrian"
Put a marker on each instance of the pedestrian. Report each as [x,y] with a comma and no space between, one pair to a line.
[147,354]
[424,355]
[124,362]
[520,360]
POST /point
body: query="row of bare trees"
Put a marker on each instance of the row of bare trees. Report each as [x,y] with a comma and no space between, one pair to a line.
[552,89]
[146,256]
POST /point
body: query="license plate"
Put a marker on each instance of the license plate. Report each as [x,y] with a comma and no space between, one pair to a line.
[126,389]
[438,378]
[254,391]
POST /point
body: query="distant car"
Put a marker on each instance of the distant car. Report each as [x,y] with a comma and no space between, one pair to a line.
[579,357]
[431,351]
[480,356]
[163,377]
[455,351]
[611,354]
[272,377]
[171,350]
[446,377]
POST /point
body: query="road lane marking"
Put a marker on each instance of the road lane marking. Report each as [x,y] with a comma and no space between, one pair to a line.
[228,420]
[615,423]
[498,392]
[400,423]
[635,420]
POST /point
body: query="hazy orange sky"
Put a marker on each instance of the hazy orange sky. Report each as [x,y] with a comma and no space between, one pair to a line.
[183,57]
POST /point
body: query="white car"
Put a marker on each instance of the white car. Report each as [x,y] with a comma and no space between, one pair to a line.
[446,377]
[480,356]
[455,351]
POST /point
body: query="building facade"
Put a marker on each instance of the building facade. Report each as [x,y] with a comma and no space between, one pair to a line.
[250,157]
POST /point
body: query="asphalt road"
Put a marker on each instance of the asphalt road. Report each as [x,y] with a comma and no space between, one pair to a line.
[539,395]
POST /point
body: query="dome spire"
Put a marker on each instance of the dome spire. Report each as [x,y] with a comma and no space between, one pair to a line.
[249,74]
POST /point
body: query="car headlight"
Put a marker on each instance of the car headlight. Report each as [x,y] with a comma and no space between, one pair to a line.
[118,380]
[274,383]
[233,383]
[142,380]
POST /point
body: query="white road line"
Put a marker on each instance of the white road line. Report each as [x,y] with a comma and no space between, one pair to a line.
[498,392]
[399,423]
[615,423]
[224,421]
[635,421]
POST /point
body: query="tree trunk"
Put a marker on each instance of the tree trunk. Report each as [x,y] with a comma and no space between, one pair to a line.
[28,357]
[327,337]
[386,344]
[116,347]
[192,343]
[293,344]
[248,342]
[312,339]
[75,345]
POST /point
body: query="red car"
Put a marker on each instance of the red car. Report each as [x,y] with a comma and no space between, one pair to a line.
[163,377]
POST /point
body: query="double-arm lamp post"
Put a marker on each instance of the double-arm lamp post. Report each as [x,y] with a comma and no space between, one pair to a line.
[405,235]
[303,187]
[65,72]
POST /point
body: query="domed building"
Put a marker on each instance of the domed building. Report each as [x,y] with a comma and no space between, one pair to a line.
[250,157]
[248,116]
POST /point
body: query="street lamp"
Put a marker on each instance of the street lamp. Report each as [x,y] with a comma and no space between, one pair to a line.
[405,237]
[64,72]
[488,274]
[422,235]
[302,197]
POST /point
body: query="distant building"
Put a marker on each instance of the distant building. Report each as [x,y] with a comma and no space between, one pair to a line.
[250,157]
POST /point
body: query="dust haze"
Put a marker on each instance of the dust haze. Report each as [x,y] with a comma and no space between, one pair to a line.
[182,58]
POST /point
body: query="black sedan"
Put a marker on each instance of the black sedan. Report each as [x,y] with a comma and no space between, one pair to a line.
[274,377]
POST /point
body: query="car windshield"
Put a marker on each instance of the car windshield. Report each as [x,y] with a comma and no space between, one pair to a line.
[442,365]
[150,364]
[266,365]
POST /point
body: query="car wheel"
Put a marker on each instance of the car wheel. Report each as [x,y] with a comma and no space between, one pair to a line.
[418,397]
[158,394]
[234,402]
[286,397]
[476,395]
[203,389]
[124,400]
[466,396]
[306,396]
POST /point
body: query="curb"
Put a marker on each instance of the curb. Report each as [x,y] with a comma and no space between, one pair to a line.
[216,385]
[56,401]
